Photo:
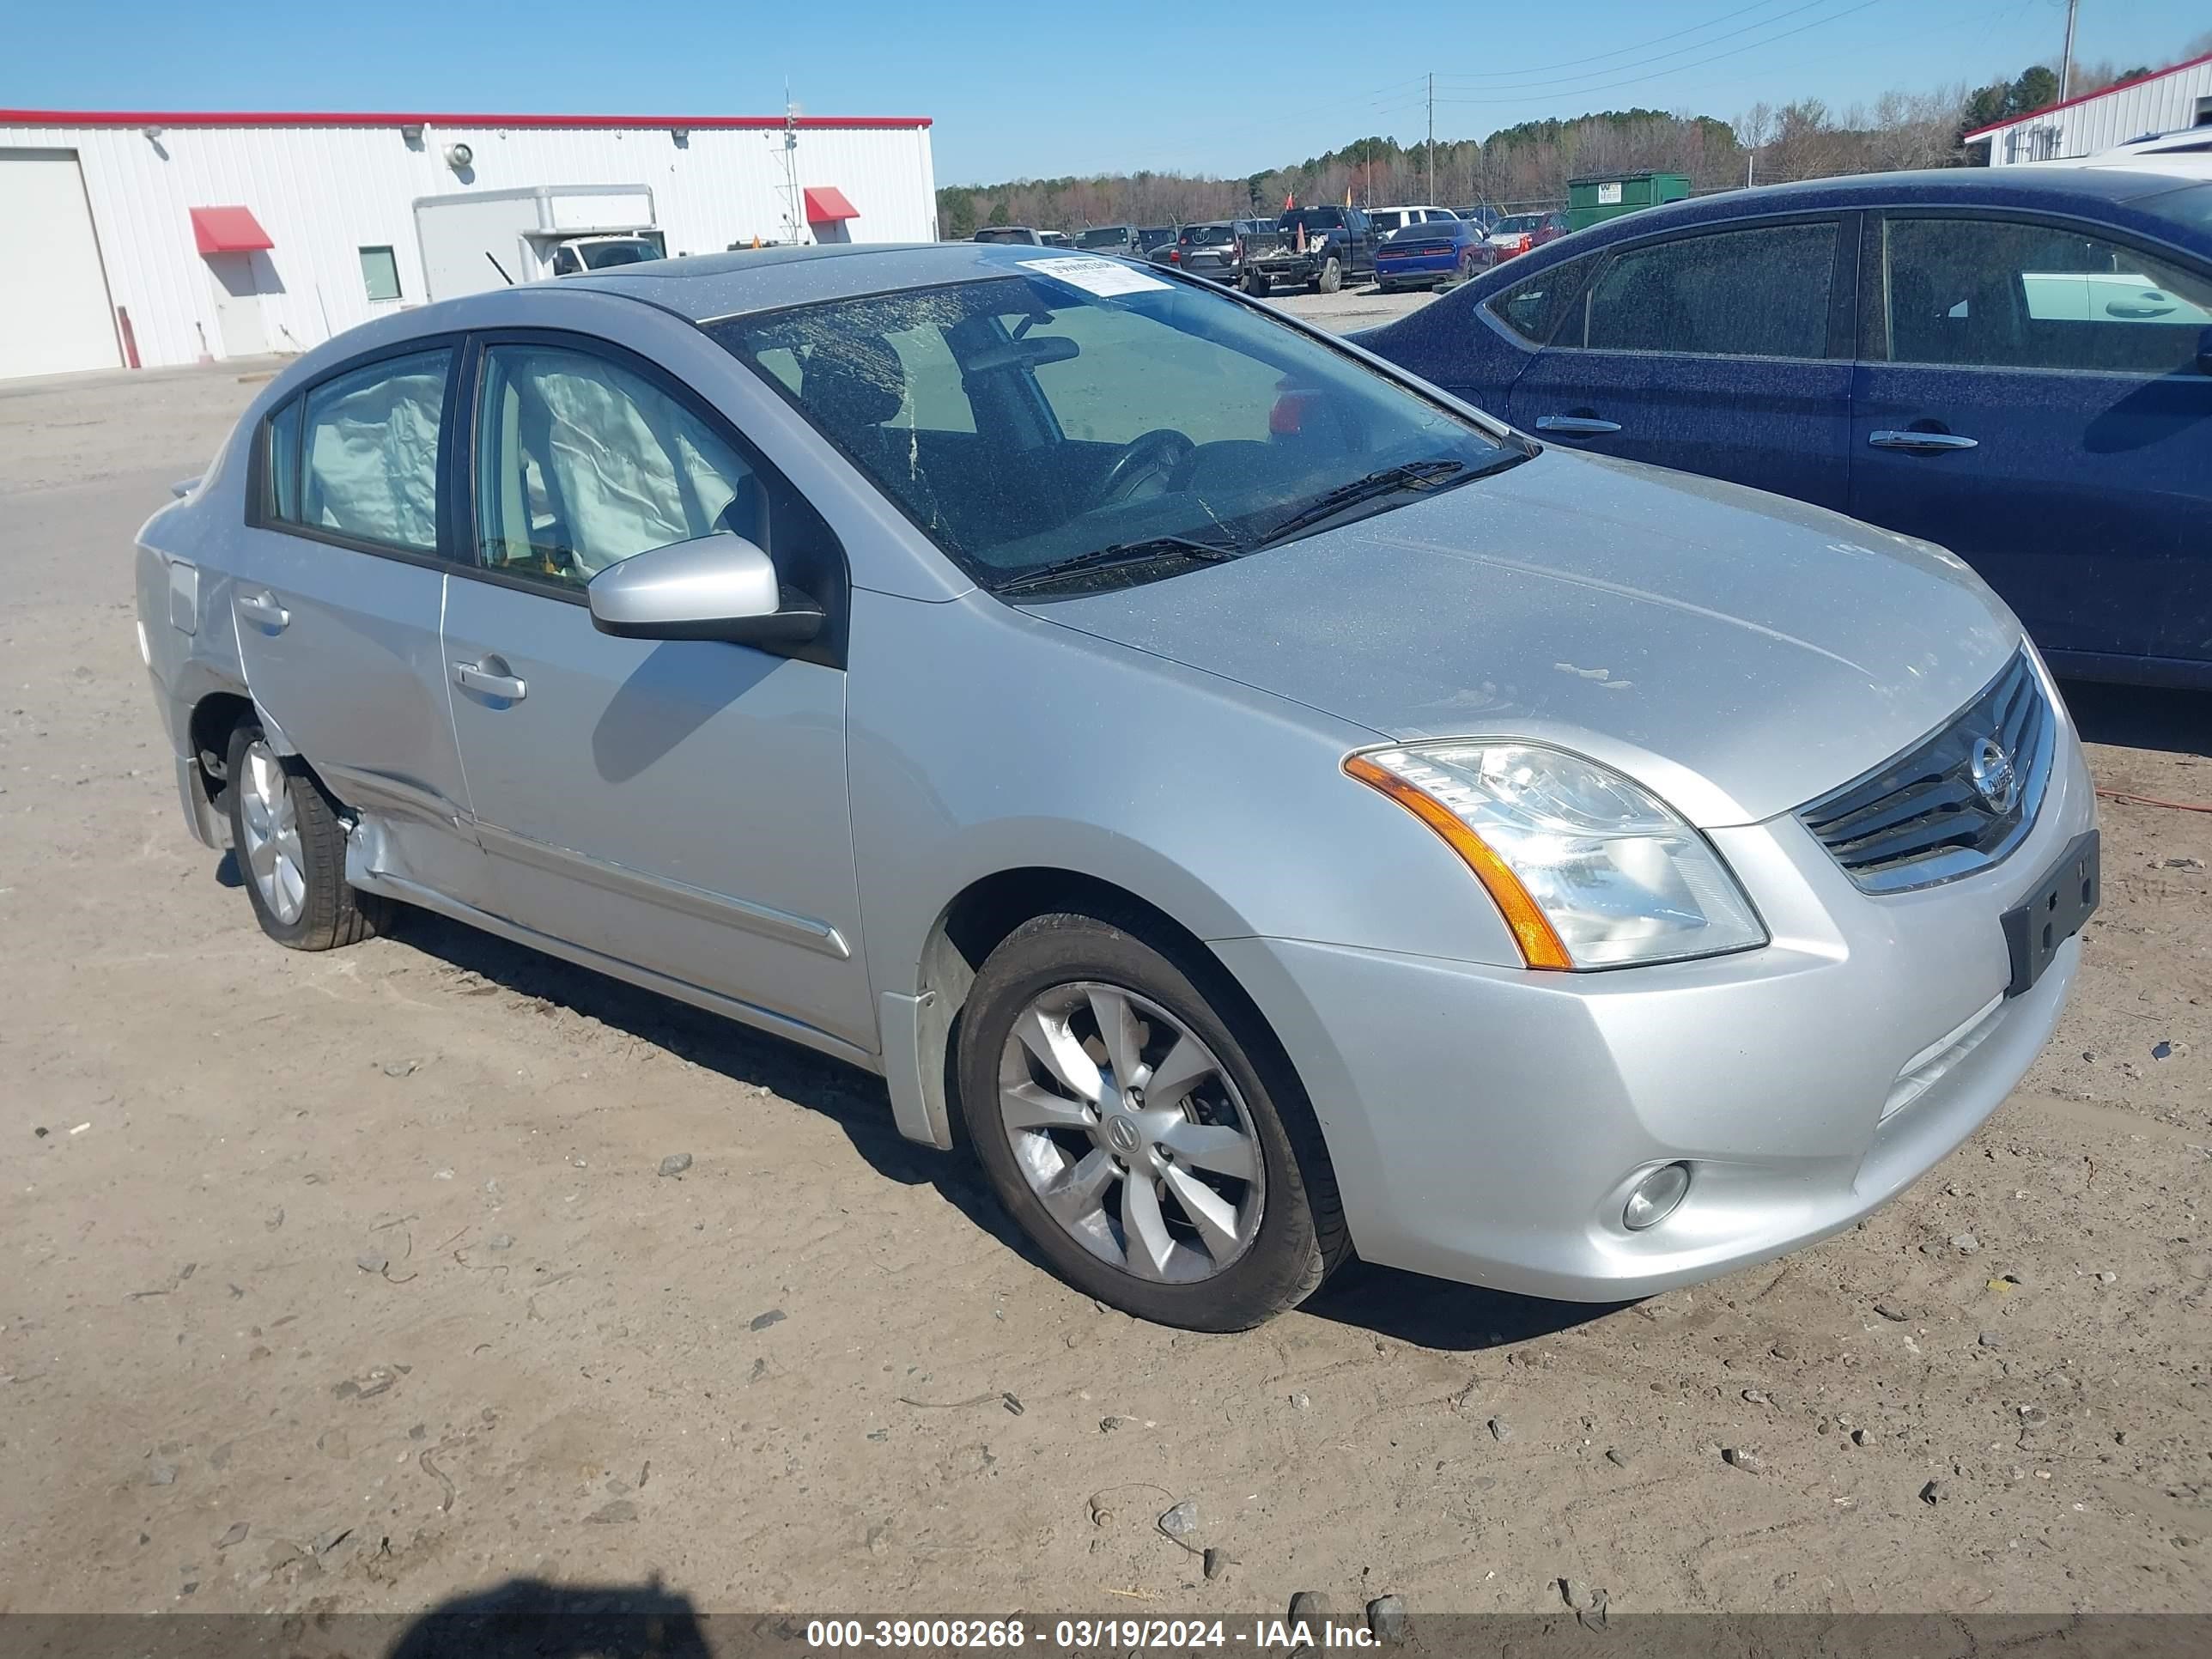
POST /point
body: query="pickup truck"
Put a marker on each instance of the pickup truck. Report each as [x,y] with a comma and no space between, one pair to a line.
[1318,247]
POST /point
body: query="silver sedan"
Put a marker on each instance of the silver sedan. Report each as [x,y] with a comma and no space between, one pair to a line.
[1267,809]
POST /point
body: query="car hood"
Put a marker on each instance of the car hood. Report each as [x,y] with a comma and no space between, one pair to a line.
[1738,652]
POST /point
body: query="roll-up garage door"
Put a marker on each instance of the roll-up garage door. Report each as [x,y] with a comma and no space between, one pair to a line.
[53,294]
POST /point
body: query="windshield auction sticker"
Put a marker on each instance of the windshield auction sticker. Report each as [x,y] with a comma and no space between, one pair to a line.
[1094,275]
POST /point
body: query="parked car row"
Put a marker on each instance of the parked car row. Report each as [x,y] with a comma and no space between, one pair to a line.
[1320,248]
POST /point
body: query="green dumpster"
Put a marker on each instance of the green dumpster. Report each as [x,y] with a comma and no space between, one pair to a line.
[1606,195]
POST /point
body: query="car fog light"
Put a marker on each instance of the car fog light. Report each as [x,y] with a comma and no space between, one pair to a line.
[1656,1197]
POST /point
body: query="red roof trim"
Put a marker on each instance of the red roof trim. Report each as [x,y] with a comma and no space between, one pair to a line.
[227,230]
[66,118]
[826,205]
[2069,103]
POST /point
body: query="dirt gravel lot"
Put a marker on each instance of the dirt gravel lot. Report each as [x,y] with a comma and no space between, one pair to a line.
[351,1281]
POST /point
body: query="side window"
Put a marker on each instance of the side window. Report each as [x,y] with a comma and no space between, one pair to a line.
[280,462]
[1535,307]
[2002,293]
[370,451]
[1224,393]
[1760,293]
[583,463]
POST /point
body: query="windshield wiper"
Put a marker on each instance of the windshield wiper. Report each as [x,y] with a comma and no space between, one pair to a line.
[1149,550]
[1414,474]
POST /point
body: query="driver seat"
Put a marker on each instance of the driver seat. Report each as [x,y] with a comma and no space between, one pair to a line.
[851,385]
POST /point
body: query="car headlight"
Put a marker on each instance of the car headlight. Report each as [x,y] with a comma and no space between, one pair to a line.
[1589,869]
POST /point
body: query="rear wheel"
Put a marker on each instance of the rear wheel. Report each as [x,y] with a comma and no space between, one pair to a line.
[1160,1161]
[1330,278]
[1257,285]
[289,843]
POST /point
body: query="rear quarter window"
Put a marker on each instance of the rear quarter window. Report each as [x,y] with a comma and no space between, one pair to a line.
[1535,307]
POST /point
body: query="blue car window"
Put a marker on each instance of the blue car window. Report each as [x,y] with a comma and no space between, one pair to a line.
[1535,306]
[1757,293]
[2004,294]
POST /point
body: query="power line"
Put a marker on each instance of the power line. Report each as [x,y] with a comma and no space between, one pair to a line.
[1679,51]
[1680,69]
[1624,51]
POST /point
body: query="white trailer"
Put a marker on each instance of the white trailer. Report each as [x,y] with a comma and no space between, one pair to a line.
[487,238]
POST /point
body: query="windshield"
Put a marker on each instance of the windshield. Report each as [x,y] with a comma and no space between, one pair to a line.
[1106,236]
[599,256]
[1022,421]
[1517,224]
[1312,219]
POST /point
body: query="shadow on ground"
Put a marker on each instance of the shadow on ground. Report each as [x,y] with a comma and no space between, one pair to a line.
[528,1618]
[2141,716]
[1435,1313]
[1408,1307]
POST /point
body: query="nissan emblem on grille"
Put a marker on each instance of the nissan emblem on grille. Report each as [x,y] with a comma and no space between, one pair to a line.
[1994,778]
[1956,802]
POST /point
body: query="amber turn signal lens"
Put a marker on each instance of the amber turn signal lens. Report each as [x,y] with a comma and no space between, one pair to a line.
[1532,931]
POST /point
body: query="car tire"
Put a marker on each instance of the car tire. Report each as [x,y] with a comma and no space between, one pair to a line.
[1257,285]
[1284,1230]
[1330,278]
[289,845]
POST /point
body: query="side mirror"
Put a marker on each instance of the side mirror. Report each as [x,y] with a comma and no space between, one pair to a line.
[717,587]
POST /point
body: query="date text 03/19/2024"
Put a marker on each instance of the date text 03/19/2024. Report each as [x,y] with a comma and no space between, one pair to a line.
[1075,1636]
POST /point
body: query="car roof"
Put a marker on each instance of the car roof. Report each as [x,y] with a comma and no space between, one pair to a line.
[705,287]
[2091,192]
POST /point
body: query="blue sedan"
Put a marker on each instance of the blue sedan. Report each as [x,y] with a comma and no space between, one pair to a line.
[1433,255]
[2016,364]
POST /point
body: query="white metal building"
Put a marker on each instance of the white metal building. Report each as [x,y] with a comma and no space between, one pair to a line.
[157,238]
[2178,97]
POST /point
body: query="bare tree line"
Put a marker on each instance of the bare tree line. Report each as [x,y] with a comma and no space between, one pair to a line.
[1529,165]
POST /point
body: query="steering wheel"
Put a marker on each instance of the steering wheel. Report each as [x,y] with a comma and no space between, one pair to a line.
[1160,451]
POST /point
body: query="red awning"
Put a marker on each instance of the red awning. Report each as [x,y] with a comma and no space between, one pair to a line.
[826,205]
[228,230]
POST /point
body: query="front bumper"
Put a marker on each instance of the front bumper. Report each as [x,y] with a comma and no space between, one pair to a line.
[1486,1123]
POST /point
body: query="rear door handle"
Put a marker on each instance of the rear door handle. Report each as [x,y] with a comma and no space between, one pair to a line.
[475,677]
[1921,443]
[262,609]
[1577,426]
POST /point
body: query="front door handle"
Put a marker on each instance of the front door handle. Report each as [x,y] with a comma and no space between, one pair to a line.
[475,677]
[1920,443]
[1576,426]
[262,610]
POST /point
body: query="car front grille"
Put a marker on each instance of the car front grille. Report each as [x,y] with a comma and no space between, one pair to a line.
[1940,811]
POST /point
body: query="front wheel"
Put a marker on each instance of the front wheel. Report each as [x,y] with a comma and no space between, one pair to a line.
[1160,1161]
[290,847]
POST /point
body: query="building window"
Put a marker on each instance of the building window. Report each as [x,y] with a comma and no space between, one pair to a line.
[380,273]
[2032,144]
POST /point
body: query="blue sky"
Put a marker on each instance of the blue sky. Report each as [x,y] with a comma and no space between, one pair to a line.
[1023,89]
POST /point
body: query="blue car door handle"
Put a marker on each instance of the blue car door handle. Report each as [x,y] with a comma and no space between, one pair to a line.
[1920,443]
[1576,426]
[475,677]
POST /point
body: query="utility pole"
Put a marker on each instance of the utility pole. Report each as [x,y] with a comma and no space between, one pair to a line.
[2066,62]
[791,214]
[1432,136]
